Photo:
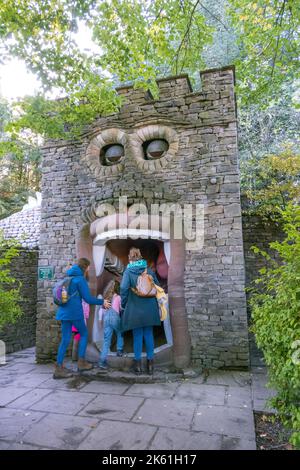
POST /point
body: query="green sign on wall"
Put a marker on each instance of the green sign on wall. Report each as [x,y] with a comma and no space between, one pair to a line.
[46,272]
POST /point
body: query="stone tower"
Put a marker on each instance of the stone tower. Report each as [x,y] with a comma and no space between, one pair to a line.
[178,150]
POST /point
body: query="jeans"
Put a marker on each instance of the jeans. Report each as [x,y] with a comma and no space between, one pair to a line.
[138,335]
[111,324]
[66,330]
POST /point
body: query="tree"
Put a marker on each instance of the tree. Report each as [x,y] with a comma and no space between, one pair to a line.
[137,41]
[9,290]
[19,166]
[268,36]
[275,183]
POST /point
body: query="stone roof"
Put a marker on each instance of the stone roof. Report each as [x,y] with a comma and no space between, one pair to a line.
[24,226]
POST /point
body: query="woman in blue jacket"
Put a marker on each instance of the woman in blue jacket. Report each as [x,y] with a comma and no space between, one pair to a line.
[139,314]
[72,314]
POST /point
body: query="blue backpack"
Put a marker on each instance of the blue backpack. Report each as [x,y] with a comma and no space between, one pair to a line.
[61,291]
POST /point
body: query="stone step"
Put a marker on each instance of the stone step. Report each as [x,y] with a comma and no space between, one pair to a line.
[163,357]
[159,376]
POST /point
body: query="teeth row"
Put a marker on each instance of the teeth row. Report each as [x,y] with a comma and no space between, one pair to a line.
[99,258]
[167,251]
[112,263]
[103,258]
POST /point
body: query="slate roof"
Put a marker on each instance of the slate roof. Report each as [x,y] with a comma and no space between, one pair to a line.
[24,226]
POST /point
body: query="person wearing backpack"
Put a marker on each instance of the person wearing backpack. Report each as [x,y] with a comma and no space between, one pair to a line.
[68,294]
[139,307]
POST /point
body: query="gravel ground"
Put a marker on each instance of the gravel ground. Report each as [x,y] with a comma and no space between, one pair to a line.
[270,433]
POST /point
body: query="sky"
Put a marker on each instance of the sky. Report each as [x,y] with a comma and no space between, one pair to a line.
[16,81]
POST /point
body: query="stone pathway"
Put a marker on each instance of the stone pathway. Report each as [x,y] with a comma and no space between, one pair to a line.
[216,412]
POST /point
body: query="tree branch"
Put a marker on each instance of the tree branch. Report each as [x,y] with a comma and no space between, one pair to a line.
[185,35]
[214,16]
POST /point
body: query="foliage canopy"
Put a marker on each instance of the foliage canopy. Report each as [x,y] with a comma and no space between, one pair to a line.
[137,41]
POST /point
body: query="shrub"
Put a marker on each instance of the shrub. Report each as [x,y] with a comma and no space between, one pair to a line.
[276,320]
[10,309]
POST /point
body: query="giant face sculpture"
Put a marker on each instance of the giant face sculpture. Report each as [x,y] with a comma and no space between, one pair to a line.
[106,239]
[173,152]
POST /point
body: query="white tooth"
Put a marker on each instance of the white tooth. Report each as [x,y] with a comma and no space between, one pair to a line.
[99,258]
[112,261]
[98,328]
[167,323]
[167,250]
[168,330]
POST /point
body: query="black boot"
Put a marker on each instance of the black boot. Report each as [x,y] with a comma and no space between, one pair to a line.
[150,366]
[136,367]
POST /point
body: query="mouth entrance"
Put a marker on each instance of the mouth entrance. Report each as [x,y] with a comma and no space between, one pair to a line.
[111,258]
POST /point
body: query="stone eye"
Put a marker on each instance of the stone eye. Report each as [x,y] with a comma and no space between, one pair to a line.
[111,154]
[154,149]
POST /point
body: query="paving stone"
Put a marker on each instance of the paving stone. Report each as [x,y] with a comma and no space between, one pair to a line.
[190,373]
[14,423]
[232,378]
[259,370]
[262,406]
[205,394]
[63,384]
[59,401]
[44,368]
[19,368]
[162,391]
[59,432]
[114,407]
[231,443]
[4,445]
[30,380]
[6,379]
[260,391]
[169,413]
[27,359]
[175,439]
[30,398]
[10,393]
[239,397]
[259,380]
[21,446]
[233,422]
[124,436]
[196,380]
[105,387]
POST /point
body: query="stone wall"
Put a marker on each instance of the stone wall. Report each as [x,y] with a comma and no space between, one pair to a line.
[259,233]
[204,170]
[22,334]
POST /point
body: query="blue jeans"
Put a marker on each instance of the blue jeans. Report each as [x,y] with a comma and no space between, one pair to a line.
[66,330]
[138,335]
[112,324]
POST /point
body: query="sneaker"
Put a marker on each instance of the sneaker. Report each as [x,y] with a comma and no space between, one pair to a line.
[103,365]
[61,372]
[120,353]
[136,367]
[84,365]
